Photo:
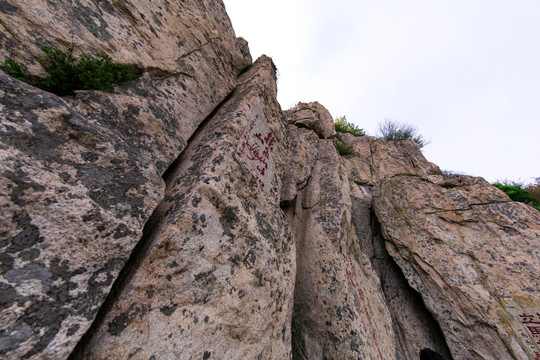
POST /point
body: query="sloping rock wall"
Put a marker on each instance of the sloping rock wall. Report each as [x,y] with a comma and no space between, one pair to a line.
[81,175]
[217,277]
[187,216]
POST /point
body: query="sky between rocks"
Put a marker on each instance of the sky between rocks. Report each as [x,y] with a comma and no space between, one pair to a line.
[465,72]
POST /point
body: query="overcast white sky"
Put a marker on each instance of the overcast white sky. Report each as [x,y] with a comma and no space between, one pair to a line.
[466,73]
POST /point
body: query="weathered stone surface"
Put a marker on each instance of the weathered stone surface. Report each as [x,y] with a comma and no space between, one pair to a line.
[300,163]
[81,174]
[376,159]
[155,35]
[75,198]
[217,278]
[187,51]
[312,116]
[472,255]
[339,311]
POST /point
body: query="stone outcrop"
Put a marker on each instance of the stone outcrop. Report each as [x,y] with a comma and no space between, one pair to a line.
[473,256]
[312,116]
[187,216]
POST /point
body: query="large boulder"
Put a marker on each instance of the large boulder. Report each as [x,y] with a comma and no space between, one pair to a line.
[312,116]
[473,256]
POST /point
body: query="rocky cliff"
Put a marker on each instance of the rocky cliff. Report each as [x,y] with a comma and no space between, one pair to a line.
[188,216]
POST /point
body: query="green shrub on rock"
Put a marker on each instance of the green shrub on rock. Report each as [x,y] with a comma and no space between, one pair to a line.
[67,73]
[16,69]
[342,147]
[343,126]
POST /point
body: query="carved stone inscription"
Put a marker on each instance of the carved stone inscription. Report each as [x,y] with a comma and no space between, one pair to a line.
[256,147]
[530,331]
[524,320]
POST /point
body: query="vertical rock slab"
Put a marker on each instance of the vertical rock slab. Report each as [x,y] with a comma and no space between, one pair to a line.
[374,160]
[339,311]
[82,174]
[217,276]
[473,256]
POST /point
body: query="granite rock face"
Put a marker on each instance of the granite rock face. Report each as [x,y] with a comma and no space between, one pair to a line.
[473,256]
[339,311]
[75,199]
[187,216]
[346,281]
[186,50]
[374,159]
[82,174]
[217,277]
[312,116]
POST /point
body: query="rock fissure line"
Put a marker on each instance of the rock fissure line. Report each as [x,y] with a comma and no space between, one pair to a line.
[208,42]
[159,74]
[137,255]
[127,271]
[371,162]
[465,209]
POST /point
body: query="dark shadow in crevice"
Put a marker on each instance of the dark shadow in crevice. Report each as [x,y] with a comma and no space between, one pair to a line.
[406,305]
[414,325]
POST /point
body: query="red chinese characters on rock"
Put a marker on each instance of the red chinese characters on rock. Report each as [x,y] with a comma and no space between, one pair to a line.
[531,322]
[257,147]
[359,299]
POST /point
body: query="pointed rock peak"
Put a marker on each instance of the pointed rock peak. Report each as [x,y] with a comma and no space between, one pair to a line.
[265,70]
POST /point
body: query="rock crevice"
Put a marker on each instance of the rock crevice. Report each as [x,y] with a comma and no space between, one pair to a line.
[136,258]
[415,327]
